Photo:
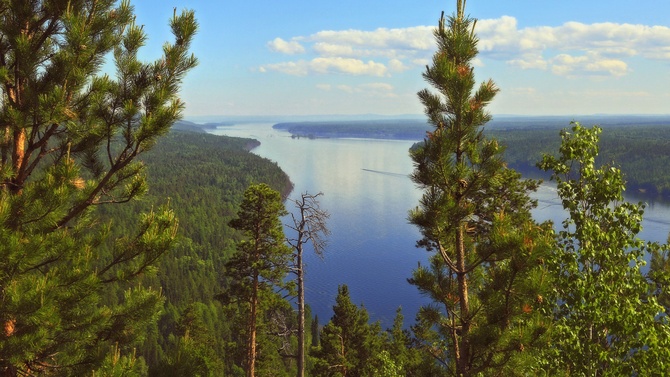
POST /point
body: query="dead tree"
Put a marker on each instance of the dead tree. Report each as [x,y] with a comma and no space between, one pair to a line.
[309,225]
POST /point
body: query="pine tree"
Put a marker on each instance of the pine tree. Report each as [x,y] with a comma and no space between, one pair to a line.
[69,140]
[607,319]
[475,215]
[261,262]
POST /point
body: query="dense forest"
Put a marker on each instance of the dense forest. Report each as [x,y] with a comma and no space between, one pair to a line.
[642,152]
[203,177]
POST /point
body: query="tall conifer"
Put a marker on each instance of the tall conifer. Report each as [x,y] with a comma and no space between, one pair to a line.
[69,138]
[474,214]
[261,262]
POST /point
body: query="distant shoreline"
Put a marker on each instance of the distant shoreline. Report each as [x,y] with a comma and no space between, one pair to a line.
[638,145]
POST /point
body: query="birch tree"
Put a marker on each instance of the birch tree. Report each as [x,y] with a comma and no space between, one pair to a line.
[607,319]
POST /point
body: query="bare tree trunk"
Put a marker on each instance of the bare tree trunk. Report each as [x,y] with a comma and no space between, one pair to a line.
[5,144]
[251,372]
[15,95]
[18,137]
[309,227]
[301,313]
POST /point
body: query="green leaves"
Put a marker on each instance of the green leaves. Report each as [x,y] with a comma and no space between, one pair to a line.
[605,318]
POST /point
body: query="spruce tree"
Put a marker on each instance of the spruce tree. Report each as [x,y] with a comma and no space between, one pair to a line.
[69,139]
[349,344]
[475,215]
[403,351]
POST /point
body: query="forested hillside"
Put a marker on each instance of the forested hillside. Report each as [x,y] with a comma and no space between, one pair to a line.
[203,177]
[201,329]
[641,151]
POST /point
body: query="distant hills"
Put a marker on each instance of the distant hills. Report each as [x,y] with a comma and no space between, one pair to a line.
[414,127]
[603,119]
[297,118]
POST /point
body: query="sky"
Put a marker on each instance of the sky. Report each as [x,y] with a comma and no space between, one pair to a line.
[345,57]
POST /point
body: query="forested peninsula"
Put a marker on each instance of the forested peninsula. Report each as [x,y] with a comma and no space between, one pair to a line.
[639,145]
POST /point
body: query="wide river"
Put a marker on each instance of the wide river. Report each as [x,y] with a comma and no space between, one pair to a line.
[368,194]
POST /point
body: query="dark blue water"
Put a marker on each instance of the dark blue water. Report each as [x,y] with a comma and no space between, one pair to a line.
[368,194]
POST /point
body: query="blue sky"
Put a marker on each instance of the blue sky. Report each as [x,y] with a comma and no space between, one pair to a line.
[300,57]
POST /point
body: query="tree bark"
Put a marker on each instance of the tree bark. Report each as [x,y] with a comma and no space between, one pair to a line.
[251,372]
[301,314]
[462,362]
[309,227]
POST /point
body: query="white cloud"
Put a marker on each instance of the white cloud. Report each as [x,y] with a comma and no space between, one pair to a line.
[346,88]
[572,49]
[397,65]
[660,53]
[329,49]
[587,65]
[411,38]
[347,65]
[420,62]
[391,44]
[324,87]
[329,65]
[298,68]
[358,52]
[376,89]
[530,61]
[498,36]
[284,47]
[379,89]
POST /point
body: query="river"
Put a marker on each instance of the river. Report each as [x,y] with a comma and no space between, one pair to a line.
[368,193]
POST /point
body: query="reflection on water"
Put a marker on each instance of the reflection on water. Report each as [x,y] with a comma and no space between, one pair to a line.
[368,194]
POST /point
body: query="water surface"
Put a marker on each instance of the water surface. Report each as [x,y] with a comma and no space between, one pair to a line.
[368,193]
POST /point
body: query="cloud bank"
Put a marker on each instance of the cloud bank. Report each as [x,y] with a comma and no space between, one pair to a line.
[571,50]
